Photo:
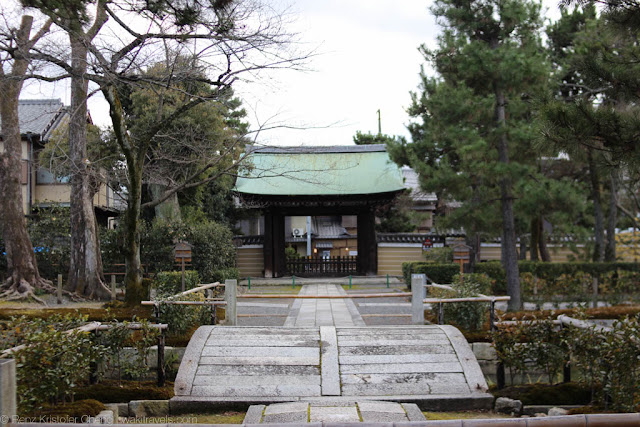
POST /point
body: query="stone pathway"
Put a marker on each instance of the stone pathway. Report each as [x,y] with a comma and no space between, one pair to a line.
[303,412]
[323,312]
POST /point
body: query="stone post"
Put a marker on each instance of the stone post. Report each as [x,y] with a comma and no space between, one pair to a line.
[417,299]
[230,292]
[8,400]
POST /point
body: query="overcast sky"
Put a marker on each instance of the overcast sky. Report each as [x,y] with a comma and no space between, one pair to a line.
[367,59]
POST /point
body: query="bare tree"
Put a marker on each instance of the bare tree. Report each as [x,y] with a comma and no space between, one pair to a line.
[15,65]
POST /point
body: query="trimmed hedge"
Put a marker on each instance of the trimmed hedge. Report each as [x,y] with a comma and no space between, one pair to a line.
[439,273]
[550,271]
[545,271]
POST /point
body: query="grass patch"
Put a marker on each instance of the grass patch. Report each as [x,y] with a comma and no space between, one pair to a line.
[272,289]
[109,391]
[94,314]
[546,394]
[463,415]
[227,417]
[69,412]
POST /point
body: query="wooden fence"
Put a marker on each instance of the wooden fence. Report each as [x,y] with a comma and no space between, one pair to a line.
[317,265]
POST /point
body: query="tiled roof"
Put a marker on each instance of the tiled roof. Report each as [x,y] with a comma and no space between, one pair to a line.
[370,148]
[40,116]
[411,182]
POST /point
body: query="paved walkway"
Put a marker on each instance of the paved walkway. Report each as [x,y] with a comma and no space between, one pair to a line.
[323,312]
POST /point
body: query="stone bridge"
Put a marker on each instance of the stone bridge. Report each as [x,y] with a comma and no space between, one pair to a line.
[432,366]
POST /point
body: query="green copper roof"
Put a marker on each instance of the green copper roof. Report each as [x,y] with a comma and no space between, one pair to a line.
[326,171]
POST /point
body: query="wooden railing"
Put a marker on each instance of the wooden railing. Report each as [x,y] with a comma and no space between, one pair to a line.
[317,265]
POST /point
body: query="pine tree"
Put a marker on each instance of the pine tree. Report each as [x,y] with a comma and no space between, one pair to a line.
[476,134]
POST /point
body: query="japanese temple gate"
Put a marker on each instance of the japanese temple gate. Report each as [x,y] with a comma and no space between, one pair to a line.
[314,181]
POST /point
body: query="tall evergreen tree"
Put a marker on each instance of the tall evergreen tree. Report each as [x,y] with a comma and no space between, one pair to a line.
[476,118]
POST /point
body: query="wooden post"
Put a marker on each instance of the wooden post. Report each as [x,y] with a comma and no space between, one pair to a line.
[440,313]
[566,373]
[8,395]
[59,290]
[500,375]
[594,285]
[183,286]
[230,293]
[492,315]
[161,371]
[113,287]
[417,298]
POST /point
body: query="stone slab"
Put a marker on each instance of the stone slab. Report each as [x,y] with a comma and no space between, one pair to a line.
[329,361]
[261,330]
[400,368]
[261,351]
[281,408]
[265,360]
[257,380]
[393,350]
[289,417]
[254,414]
[190,361]
[383,341]
[252,370]
[383,417]
[397,358]
[413,412]
[456,378]
[390,407]
[334,414]
[419,388]
[389,330]
[256,391]
[473,373]
[261,343]
[148,408]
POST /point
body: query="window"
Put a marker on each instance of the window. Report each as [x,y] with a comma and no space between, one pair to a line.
[44,176]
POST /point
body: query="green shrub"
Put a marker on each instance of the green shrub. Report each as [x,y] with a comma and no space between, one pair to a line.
[52,362]
[438,273]
[469,316]
[439,255]
[222,274]
[180,318]
[114,341]
[609,360]
[493,270]
[167,283]
[212,249]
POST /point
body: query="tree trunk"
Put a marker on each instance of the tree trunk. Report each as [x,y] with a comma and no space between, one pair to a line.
[133,277]
[135,161]
[610,250]
[542,241]
[169,210]
[23,274]
[523,248]
[509,252]
[85,269]
[594,177]
[535,237]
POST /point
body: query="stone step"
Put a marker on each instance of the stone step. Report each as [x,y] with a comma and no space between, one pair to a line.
[335,412]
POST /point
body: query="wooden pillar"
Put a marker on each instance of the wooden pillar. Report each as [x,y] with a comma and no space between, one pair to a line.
[279,262]
[267,247]
[367,244]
